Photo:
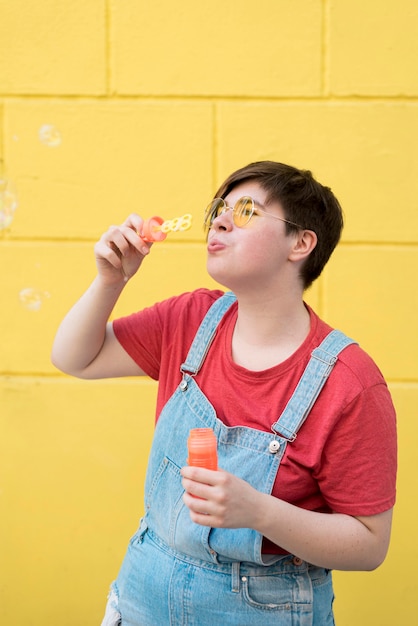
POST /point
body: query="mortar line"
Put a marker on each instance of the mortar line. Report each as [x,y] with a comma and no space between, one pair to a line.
[325,51]
[215,145]
[108,48]
[217,98]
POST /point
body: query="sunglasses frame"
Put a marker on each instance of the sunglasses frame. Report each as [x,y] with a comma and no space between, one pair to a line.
[218,206]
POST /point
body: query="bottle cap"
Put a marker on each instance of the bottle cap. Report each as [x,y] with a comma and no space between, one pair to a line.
[202,447]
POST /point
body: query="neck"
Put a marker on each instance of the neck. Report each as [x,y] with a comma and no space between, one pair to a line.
[269,331]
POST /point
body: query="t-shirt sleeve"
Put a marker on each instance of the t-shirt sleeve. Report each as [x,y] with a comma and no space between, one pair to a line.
[140,334]
[164,329]
[359,461]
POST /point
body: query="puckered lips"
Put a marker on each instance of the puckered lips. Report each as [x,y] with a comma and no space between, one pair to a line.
[215,245]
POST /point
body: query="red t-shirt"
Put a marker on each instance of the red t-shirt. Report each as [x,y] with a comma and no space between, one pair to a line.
[344,457]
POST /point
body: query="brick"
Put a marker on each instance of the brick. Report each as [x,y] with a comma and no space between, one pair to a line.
[369,295]
[113,159]
[269,48]
[73,456]
[52,47]
[364,151]
[373,47]
[1,138]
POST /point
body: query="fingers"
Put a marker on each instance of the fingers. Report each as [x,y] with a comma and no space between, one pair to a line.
[218,498]
[203,484]
[193,476]
[207,505]
[118,242]
[198,510]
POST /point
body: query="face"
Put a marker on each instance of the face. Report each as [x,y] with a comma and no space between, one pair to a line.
[254,256]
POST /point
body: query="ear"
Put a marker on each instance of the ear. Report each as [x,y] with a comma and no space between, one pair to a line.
[304,242]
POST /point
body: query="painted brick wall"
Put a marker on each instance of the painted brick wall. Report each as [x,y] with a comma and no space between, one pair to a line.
[109,107]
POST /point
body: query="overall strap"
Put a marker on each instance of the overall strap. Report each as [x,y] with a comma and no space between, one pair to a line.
[320,365]
[206,333]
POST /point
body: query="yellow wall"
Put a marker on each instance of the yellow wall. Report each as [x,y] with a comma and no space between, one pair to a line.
[108,107]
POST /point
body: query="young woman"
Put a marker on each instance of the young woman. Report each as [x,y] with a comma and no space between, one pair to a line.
[304,421]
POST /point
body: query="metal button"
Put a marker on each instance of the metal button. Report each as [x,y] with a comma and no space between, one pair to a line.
[183,385]
[274,446]
[297,561]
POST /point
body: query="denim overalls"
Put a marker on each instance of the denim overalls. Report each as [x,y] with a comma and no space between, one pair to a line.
[179,573]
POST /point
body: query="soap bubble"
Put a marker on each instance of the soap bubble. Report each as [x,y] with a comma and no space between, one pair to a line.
[32,298]
[49,136]
[8,203]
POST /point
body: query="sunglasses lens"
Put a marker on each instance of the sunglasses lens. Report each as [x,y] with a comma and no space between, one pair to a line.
[243,211]
[213,209]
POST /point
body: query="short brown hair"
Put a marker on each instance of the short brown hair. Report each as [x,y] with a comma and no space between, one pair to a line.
[304,201]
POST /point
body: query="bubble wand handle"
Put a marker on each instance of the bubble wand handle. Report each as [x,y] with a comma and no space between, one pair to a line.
[156,229]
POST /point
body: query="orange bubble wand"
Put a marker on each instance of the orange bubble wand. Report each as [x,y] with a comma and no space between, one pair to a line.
[157,229]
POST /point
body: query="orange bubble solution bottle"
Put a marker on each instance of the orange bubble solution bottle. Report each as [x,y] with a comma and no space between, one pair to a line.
[202,448]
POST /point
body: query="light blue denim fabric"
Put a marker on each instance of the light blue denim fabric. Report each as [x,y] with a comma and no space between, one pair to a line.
[179,573]
[157,586]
